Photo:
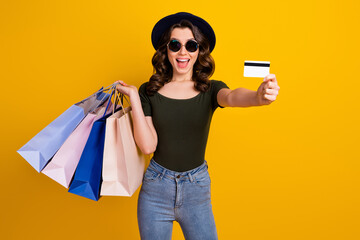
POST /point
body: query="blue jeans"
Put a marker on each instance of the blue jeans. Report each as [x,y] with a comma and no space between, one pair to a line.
[166,196]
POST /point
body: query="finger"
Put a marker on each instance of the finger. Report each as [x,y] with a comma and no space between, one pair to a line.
[271,91]
[273,85]
[122,82]
[270,77]
[270,97]
[119,85]
[267,85]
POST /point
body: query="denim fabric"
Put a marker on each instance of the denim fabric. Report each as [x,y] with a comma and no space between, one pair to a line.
[166,196]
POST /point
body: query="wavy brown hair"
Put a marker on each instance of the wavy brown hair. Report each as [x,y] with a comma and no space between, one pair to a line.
[203,69]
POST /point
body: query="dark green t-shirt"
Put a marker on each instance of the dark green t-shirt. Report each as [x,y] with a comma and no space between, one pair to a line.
[182,126]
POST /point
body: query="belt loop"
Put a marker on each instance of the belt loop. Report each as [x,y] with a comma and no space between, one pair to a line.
[191,178]
[163,174]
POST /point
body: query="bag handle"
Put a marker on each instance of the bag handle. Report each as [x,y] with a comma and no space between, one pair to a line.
[113,90]
[117,97]
[100,102]
[101,90]
[123,96]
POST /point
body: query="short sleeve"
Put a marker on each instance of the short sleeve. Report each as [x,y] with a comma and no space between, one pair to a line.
[145,100]
[215,88]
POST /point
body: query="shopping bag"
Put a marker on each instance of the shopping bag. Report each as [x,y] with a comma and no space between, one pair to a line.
[62,166]
[87,177]
[123,162]
[42,147]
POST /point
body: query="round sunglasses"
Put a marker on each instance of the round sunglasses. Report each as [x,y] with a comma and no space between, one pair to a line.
[191,45]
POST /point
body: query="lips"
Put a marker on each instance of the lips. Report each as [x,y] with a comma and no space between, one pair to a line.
[182,62]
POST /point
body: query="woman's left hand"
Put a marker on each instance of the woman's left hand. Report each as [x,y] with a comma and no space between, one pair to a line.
[268,90]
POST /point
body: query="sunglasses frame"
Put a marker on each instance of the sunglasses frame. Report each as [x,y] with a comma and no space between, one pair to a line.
[190,40]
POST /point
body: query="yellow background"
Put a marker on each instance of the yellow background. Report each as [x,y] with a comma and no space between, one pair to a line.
[285,171]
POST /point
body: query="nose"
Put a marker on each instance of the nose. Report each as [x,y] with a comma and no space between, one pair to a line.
[182,50]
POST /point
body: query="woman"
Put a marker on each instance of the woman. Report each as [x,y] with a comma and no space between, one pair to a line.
[171,117]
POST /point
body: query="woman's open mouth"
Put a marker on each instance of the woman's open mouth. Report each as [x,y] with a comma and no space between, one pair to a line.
[182,62]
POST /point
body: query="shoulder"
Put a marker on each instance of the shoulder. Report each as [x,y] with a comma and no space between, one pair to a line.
[215,81]
[142,87]
[217,84]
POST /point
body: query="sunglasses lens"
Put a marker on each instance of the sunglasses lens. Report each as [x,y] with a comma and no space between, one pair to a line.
[191,46]
[174,45]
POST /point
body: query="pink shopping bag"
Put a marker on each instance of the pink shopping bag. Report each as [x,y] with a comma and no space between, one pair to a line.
[123,162]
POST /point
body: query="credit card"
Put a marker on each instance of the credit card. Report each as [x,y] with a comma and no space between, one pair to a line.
[256,68]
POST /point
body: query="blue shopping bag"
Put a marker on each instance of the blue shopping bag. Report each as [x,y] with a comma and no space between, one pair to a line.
[42,147]
[87,178]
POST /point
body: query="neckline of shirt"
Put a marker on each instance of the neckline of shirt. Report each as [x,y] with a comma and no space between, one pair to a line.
[179,99]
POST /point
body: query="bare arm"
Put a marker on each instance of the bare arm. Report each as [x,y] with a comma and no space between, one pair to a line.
[144,132]
[239,97]
[242,97]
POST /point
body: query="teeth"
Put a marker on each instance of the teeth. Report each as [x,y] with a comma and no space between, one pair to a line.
[183,60]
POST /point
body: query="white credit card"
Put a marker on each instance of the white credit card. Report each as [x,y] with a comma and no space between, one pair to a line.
[256,68]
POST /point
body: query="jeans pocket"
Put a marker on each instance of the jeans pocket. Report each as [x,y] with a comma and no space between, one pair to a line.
[203,180]
[151,175]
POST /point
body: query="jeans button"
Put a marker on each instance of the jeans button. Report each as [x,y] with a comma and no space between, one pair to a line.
[178,176]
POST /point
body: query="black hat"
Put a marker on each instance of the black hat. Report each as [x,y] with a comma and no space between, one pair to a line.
[163,24]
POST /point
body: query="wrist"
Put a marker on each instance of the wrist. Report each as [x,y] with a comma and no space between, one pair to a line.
[133,94]
[257,99]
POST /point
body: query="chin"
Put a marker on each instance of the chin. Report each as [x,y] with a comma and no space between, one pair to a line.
[183,70]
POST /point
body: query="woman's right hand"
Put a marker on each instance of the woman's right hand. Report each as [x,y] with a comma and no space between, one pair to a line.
[144,131]
[125,88]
